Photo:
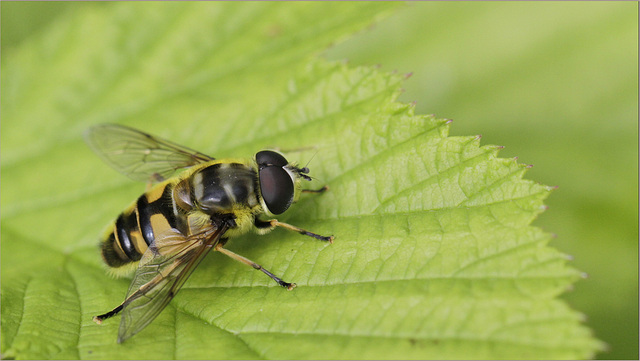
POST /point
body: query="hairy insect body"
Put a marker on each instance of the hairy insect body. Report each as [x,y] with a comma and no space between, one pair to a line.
[168,230]
[216,189]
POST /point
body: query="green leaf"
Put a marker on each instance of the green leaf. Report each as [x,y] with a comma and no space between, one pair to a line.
[557,85]
[434,254]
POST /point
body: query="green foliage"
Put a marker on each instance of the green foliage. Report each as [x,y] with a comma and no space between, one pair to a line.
[434,254]
[556,83]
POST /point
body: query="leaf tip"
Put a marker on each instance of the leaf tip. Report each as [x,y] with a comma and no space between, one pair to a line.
[569,288]
[582,317]
[551,188]
[604,347]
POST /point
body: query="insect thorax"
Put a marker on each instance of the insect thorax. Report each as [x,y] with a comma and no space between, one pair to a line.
[221,187]
[224,189]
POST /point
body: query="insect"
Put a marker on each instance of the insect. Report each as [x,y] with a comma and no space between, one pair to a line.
[169,229]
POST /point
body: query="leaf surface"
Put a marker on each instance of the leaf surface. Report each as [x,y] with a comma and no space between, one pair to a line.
[434,254]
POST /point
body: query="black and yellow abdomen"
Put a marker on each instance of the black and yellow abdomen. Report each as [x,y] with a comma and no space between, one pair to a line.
[183,203]
[136,228]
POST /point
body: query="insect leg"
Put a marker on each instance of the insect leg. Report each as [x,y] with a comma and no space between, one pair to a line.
[249,262]
[115,311]
[98,319]
[321,190]
[276,223]
[141,291]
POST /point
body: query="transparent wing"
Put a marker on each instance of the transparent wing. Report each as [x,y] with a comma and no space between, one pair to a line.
[162,271]
[139,155]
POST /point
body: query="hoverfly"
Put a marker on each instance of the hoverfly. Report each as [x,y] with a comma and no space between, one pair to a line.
[169,229]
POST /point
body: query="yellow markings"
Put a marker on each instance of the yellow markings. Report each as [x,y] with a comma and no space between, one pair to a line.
[116,240]
[138,241]
[159,223]
[155,193]
[122,271]
[197,221]
[244,218]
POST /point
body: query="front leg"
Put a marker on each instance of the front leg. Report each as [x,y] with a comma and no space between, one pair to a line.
[266,226]
[320,190]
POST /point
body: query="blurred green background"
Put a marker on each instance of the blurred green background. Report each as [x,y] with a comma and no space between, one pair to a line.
[556,83]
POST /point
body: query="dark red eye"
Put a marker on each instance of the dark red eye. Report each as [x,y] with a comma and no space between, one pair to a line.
[277,188]
[267,157]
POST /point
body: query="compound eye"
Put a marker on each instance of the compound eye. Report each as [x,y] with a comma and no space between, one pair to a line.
[268,157]
[277,189]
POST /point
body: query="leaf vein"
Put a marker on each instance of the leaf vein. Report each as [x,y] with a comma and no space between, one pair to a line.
[388,152]
[436,176]
[78,334]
